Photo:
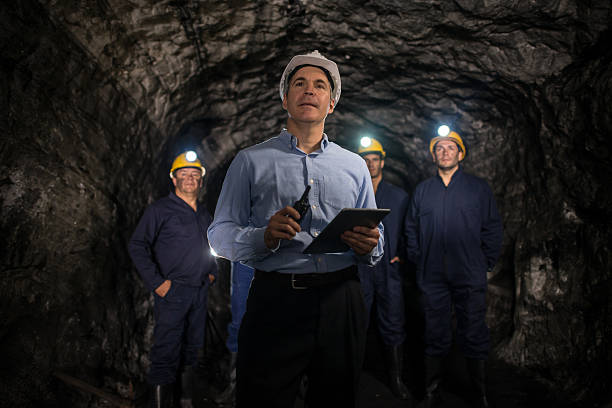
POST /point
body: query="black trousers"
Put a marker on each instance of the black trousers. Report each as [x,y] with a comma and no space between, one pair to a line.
[286,333]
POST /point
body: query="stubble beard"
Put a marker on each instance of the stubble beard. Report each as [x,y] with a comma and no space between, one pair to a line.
[447,168]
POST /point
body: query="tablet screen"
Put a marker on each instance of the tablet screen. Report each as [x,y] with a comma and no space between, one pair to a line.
[329,241]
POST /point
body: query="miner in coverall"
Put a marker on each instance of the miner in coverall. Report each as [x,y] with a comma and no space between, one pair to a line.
[383,283]
[170,250]
[454,236]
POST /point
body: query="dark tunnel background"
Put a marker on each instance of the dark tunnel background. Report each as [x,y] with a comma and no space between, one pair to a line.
[97,97]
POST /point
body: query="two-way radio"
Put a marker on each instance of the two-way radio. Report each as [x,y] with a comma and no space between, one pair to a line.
[301,205]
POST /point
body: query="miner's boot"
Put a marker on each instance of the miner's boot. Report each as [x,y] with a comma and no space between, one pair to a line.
[228,397]
[432,381]
[160,396]
[394,365]
[477,371]
[187,387]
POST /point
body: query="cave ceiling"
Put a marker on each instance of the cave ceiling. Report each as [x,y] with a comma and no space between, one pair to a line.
[406,66]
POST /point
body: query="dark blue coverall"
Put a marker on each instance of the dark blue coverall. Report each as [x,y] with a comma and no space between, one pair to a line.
[454,235]
[242,275]
[383,282]
[170,242]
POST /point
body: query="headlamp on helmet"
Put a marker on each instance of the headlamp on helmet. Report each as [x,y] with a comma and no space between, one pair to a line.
[446,133]
[369,145]
[185,160]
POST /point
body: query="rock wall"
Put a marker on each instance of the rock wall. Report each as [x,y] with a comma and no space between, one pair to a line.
[72,184]
[98,97]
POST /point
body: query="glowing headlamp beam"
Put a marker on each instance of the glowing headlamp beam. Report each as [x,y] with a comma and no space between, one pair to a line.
[191,156]
[365,141]
[443,130]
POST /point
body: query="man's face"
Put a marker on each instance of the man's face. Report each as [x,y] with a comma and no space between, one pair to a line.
[375,164]
[187,180]
[446,154]
[308,97]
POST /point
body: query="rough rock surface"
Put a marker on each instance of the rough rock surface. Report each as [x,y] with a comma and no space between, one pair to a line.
[97,97]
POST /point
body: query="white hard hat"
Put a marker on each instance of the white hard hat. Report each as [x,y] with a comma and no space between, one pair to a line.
[318,60]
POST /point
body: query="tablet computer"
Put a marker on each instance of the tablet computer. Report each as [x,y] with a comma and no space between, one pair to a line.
[328,241]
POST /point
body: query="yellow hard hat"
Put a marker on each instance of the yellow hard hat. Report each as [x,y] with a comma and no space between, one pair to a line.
[187,159]
[452,135]
[369,145]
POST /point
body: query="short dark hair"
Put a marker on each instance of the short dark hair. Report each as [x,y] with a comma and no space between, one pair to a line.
[296,69]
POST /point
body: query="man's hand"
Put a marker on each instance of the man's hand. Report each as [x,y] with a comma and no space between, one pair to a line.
[282,225]
[211,278]
[361,239]
[163,288]
[396,259]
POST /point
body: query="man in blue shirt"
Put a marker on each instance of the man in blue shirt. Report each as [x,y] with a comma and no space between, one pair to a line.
[170,250]
[305,312]
[453,235]
[383,283]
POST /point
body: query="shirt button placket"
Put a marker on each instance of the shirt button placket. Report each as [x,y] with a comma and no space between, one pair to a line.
[310,181]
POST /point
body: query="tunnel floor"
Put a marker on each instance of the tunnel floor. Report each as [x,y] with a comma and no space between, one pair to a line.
[507,386]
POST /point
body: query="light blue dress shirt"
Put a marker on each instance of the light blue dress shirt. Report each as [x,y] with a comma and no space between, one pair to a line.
[265,178]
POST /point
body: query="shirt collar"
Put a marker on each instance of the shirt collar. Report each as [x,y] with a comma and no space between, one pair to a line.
[455,175]
[174,197]
[291,141]
[179,200]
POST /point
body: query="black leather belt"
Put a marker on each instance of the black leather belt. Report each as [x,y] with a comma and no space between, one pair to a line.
[308,280]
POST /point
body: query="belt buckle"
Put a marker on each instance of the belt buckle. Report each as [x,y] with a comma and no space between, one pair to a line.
[293,285]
